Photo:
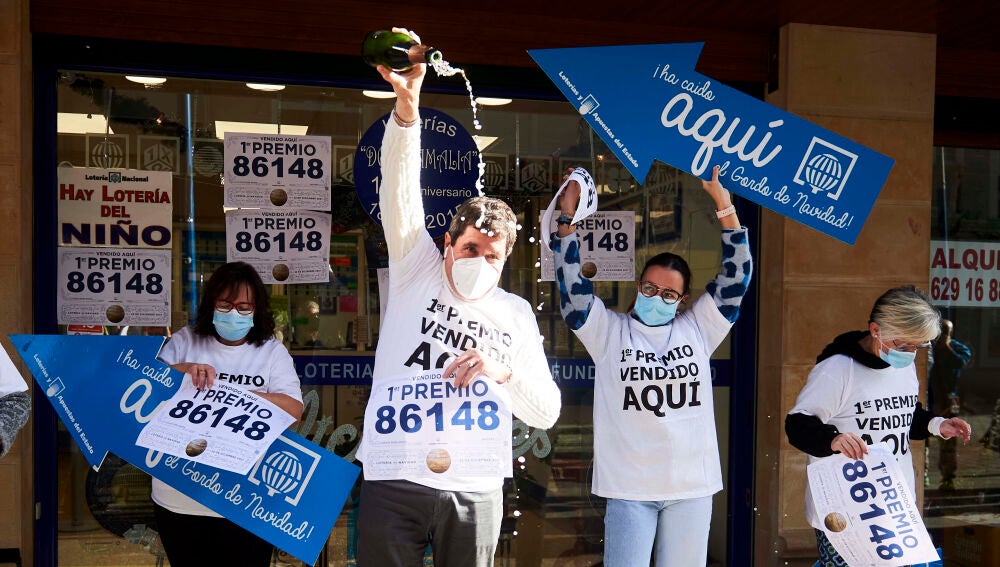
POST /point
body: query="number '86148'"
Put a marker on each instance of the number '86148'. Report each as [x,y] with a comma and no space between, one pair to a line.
[238,423]
[863,491]
[260,167]
[96,282]
[409,420]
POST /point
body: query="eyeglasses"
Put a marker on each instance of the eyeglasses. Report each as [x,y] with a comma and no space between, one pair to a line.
[669,296]
[223,306]
[909,347]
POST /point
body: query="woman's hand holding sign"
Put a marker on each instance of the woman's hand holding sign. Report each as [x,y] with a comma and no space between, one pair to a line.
[202,375]
[724,208]
[849,445]
[569,200]
[470,364]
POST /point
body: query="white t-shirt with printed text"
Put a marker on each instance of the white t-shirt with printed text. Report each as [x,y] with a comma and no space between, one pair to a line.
[426,325]
[875,404]
[654,414]
[267,368]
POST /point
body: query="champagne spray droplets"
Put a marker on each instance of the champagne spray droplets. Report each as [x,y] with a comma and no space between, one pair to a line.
[444,69]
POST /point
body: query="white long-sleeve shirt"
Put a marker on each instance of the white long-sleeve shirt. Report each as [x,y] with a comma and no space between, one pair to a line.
[269,365]
[426,323]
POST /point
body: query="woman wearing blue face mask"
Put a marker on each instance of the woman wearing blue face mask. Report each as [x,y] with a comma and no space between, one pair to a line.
[232,340]
[656,456]
[864,390]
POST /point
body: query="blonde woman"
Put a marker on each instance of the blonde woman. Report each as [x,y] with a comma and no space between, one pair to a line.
[861,382]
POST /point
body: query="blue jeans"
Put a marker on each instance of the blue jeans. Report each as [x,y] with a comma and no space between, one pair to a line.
[678,528]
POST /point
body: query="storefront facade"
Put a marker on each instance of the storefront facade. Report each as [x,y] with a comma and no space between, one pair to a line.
[821,73]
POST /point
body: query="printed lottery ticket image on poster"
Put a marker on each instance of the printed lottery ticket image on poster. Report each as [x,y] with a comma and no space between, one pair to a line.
[115,313]
[280,272]
[279,197]
[196,447]
[438,460]
[835,522]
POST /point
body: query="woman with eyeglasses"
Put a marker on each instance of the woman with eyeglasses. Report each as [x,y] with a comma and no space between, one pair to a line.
[232,340]
[864,390]
[656,456]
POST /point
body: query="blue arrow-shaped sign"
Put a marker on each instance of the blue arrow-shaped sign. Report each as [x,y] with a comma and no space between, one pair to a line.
[646,102]
[106,389]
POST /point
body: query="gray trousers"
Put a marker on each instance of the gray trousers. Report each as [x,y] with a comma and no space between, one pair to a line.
[397,519]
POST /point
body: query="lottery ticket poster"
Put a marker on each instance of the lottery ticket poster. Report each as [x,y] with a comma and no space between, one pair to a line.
[111,286]
[868,511]
[276,171]
[119,208]
[421,425]
[222,426]
[607,247]
[285,247]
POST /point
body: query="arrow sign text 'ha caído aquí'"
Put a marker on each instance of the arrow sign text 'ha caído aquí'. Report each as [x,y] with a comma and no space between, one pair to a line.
[647,102]
[106,388]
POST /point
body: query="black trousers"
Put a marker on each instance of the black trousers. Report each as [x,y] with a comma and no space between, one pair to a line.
[207,541]
[398,519]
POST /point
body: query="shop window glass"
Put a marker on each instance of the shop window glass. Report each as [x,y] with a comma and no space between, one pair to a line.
[962,487]
[331,329]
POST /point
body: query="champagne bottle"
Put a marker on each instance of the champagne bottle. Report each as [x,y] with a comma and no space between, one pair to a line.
[397,51]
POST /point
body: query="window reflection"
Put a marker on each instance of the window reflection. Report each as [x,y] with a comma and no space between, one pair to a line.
[331,329]
[962,489]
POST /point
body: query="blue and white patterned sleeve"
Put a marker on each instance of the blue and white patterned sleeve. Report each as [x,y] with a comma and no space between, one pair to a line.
[14,410]
[576,293]
[730,285]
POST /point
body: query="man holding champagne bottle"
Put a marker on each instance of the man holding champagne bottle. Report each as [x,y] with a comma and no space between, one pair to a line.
[449,330]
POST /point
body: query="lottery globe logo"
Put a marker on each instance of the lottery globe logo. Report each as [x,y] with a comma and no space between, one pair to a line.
[208,160]
[825,167]
[823,172]
[107,154]
[281,472]
[286,469]
[495,175]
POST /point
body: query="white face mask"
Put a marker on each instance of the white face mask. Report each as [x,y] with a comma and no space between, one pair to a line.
[473,277]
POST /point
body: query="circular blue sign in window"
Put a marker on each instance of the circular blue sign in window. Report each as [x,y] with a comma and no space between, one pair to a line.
[449,168]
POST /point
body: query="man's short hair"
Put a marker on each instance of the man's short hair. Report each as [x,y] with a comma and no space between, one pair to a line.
[488,214]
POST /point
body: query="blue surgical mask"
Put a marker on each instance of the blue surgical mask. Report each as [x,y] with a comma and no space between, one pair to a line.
[653,311]
[232,326]
[897,358]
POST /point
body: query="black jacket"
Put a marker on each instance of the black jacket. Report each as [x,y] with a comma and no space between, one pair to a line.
[810,435]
